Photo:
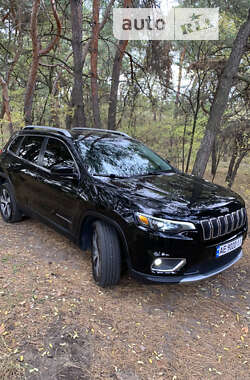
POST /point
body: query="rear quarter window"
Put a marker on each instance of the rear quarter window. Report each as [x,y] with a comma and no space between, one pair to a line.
[14,146]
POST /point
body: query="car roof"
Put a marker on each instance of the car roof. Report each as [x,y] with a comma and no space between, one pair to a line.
[74,133]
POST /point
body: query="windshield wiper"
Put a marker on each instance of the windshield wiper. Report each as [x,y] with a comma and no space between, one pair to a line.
[157,172]
[108,175]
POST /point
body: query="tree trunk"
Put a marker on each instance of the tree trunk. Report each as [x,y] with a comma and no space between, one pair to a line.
[94,56]
[115,84]
[236,167]
[115,78]
[37,53]
[54,119]
[6,100]
[194,124]
[77,119]
[221,98]
[183,142]
[231,164]
[214,159]
[182,56]
[30,87]
[87,46]
[11,69]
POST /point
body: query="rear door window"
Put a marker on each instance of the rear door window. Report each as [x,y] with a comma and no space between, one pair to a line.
[30,148]
[57,153]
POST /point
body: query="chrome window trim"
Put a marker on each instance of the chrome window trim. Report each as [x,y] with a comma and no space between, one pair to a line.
[39,166]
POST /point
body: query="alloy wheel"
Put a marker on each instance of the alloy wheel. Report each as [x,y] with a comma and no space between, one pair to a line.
[95,254]
[6,205]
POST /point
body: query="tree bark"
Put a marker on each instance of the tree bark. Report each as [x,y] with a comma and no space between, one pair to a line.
[77,119]
[6,100]
[214,159]
[87,46]
[231,179]
[182,56]
[196,112]
[37,53]
[93,61]
[221,98]
[55,102]
[183,142]
[232,162]
[10,71]
[117,64]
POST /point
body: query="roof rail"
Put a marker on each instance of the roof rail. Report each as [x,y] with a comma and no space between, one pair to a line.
[49,129]
[101,130]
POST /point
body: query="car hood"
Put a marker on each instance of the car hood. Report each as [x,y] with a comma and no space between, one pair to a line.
[177,194]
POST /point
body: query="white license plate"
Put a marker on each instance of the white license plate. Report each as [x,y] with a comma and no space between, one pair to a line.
[228,247]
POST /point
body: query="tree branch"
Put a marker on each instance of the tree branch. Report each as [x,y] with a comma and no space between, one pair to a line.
[6,103]
[101,25]
[244,79]
[58,34]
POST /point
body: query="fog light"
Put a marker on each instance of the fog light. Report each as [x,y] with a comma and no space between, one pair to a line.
[167,265]
[158,262]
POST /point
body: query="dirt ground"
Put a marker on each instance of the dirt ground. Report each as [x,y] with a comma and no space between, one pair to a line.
[56,324]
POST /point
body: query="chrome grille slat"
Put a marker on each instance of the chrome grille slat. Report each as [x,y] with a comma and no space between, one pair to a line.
[226,224]
[211,229]
[223,225]
[242,215]
[238,218]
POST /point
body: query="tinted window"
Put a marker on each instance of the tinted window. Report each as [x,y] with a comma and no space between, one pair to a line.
[119,156]
[15,144]
[30,148]
[56,153]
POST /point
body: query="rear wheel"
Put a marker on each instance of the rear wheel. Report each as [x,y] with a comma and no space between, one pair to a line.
[106,254]
[8,206]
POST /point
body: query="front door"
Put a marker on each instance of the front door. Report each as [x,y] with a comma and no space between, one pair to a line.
[60,202]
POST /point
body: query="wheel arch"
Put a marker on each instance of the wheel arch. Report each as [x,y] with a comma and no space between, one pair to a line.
[3,178]
[86,228]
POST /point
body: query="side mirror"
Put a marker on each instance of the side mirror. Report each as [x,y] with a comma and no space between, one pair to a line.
[62,170]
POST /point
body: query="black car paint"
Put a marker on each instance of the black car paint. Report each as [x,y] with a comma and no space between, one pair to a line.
[68,204]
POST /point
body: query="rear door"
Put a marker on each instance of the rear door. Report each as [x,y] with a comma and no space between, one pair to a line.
[25,172]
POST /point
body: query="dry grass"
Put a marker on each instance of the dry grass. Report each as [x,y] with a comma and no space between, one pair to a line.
[10,369]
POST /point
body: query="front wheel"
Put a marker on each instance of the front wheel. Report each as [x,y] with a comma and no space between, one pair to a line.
[106,255]
[8,206]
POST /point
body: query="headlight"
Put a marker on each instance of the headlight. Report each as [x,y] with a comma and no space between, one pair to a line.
[163,225]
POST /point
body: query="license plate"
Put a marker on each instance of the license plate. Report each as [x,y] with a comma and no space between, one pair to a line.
[228,247]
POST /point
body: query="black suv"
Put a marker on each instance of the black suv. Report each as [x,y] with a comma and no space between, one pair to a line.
[112,194]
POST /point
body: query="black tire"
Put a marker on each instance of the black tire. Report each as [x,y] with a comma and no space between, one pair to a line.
[8,206]
[106,254]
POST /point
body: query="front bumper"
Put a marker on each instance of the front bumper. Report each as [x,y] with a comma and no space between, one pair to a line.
[192,277]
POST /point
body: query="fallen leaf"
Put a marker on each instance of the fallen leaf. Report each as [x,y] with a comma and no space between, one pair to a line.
[244,330]
[2,328]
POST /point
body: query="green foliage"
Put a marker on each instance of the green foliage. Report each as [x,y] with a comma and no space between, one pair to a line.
[147,106]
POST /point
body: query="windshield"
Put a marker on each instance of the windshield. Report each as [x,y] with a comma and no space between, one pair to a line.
[119,156]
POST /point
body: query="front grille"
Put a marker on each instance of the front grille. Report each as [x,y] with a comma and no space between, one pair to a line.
[215,227]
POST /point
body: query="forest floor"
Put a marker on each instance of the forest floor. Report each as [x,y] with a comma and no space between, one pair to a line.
[56,324]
